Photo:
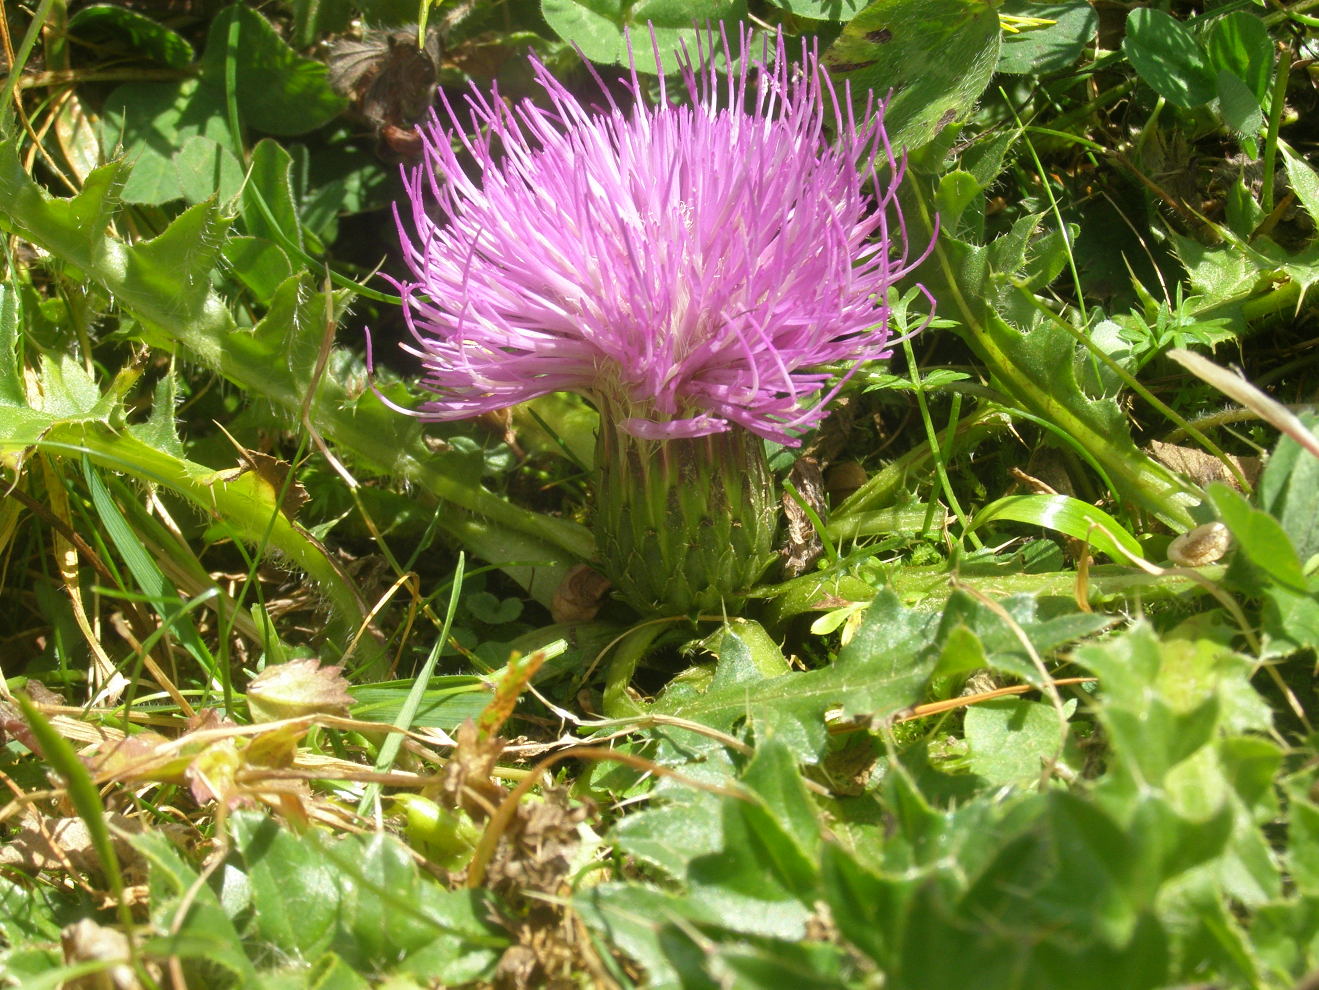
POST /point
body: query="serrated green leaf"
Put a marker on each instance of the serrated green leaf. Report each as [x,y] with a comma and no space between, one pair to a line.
[363,897]
[175,266]
[1036,370]
[295,892]
[880,671]
[956,191]
[1304,181]
[870,910]
[671,836]
[772,775]
[1161,698]
[71,227]
[1218,271]
[203,932]
[759,882]
[68,392]
[331,972]
[12,392]
[294,327]
[1007,254]
[640,921]
[1089,885]
[934,56]
[161,429]
[397,920]
[962,652]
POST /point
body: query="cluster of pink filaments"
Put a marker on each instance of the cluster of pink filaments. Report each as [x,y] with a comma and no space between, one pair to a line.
[686,265]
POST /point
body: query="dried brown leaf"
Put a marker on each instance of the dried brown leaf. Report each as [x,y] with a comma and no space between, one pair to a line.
[580,595]
[86,941]
[803,546]
[64,845]
[1204,468]
[467,781]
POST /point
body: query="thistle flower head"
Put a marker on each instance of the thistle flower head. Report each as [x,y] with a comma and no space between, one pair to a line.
[686,265]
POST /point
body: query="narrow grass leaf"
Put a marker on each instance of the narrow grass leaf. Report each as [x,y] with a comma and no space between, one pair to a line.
[1066,515]
[394,741]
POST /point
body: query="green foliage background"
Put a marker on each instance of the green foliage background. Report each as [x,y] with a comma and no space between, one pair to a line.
[995,737]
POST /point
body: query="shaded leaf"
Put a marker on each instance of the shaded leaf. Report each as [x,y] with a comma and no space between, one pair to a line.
[934,57]
[1051,47]
[278,91]
[599,27]
[136,31]
[1169,58]
[148,122]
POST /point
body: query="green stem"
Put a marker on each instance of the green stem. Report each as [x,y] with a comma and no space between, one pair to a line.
[1135,476]
[208,334]
[937,453]
[244,504]
[618,676]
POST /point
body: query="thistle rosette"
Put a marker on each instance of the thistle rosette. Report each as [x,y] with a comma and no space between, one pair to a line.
[690,266]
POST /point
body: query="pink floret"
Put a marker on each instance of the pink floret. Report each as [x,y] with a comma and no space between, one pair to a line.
[685,266]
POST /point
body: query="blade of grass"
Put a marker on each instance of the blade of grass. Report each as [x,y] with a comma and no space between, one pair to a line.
[60,756]
[151,579]
[390,747]
[1064,514]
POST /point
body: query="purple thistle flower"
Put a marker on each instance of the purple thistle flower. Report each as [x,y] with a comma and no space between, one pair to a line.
[685,267]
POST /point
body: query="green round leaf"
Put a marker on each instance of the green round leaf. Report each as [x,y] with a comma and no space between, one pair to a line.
[103,22]
[148,123]
[278,91]
[207,168]
[934,57]
[1048,49]
[1168,57]
[1239,43]
[1239,106]
[600,28]
[822,10]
